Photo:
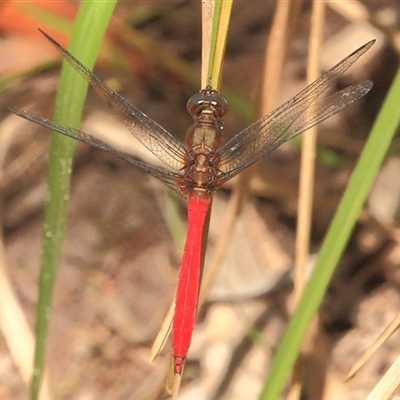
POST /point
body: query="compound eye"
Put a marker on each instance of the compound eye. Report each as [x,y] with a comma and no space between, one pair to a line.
[207,98]
[195,102]
[219,103]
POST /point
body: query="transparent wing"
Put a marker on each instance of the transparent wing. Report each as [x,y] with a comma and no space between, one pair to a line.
[153,136]
[290,119]
[173,180]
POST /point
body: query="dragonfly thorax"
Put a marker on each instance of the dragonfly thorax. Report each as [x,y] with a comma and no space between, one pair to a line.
[207,109]
[201,172]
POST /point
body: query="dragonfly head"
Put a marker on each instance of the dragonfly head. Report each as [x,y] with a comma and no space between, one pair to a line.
[207,101]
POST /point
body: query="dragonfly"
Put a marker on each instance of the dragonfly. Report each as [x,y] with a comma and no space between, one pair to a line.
[198,167]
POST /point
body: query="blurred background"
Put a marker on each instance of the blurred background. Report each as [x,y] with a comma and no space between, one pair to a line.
[121,253]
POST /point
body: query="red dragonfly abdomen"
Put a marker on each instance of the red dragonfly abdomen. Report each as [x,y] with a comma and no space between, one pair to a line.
[189,279]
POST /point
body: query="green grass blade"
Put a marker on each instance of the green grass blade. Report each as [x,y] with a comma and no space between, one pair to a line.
[88,31]
[222,13]
[336,239]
